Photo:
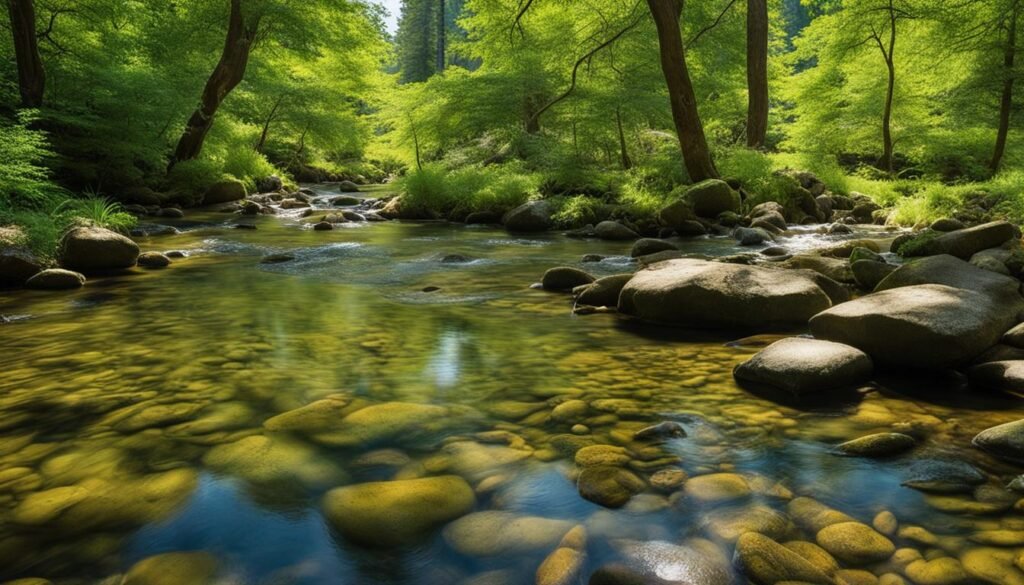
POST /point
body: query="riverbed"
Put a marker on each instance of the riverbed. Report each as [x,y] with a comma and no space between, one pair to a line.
[134,414]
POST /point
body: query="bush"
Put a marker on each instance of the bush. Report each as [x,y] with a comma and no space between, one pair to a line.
[576,211]
[95,211]
[433,190]
[24,181]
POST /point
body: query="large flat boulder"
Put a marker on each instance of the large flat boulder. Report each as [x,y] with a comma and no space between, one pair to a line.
[91,249]
[966,242]
[801,365]
[715,295]
[224,192]
[925,326]
[951,271]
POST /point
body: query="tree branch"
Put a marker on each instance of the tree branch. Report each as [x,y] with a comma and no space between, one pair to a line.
[711,26]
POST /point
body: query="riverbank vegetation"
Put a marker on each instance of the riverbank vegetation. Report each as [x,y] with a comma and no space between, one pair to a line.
[475,106]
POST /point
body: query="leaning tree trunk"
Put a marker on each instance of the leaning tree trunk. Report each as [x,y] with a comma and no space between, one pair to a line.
[226,75]
[627,162]
[266,126]
[1006,102]
[441,24]
[757,72]
[886,162]
[692,141]
[31,75]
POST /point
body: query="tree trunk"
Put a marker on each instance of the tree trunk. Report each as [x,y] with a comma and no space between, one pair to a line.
[441,25]
[31,75]
[692,141]
[757,72]
[887,150]
[226,75]
[627,163]
[266,125]
[1006,102]
[532,121]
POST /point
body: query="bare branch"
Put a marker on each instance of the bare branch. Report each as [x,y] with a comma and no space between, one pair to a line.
[711,26]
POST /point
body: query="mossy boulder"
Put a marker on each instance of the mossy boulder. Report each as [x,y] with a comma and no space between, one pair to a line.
[855,543]
[56,279]
[877,445]
[534,216]
[564,278]
[962,243]
[175,568]
[224,191]
[393,513]
[712,197]
[766,562]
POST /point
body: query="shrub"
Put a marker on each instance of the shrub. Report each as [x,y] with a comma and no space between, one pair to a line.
[576,211]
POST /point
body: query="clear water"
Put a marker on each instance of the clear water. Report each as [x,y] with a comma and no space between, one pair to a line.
[119,392]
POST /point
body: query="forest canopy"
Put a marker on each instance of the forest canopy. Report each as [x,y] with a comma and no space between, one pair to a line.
[478,105]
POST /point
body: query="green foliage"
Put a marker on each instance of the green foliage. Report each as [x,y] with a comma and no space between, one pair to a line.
[576,211]
[433,189]
[24,180]
[95,211]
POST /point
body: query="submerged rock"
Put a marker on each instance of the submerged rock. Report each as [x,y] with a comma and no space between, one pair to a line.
[944,477]
[608,486]
[802,365]
[153,260]
[855,543]
[86,249]
[175,568]
[662,563]
[767,562]
[696,293]
[647,246]
[494,533]
[392,513]
[715,488]
[877,445]
[563,566]
[662,430]
[389,420]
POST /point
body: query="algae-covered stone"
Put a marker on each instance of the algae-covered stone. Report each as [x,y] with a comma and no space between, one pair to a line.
[877,445]
[493,533]
[767,562]
[608,486]
[562,567]
[717,487]
[855,543]
[391,513]
[1005,440]
[812,515]
[55,279]
[730,524]
[176,568]
[263,459]
[224,192]
[565,278]
[385,421]
[993,565]
[712,197]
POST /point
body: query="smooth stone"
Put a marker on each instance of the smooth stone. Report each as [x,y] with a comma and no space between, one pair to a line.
[701,294]
[855,543]
[608,486]
[495,533]
[153,260]
[1014,337]
[923,326]
[662,430]
[885,522]
[1005,440]
[868,273]
[801,366]
[277,258]
[767,562]
[712,197]
[393,513]
[1001,376]
[176,568]
[877,445]
[814,554]
[717,487]
[729,524]
[603,292]
[563,565]
[570,411]
[668,480]
[389,420]
[943,476]
[533,216]
[662,563]
[993,565]
[812,515]
[964,243]
[564,278]
[55,279]
[613,230]
[92,249]
[263,459]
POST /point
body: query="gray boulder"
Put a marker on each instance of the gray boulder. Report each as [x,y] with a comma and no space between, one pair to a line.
[702,294]
[926,326]
[55,279]
[17,265]
[92,249]
[613,230]
[966,242]
[868,273]
[647,246]
[534,216]
[751,236]
[801,366]
[949,271]
[1005,440]
[1002,376]
[690,229]
[348,187]
[564,278]
[604,292]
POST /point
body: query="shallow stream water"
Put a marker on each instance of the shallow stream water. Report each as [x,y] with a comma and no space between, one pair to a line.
[133,413]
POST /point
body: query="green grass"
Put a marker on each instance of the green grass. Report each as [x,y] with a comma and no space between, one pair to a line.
[434,190]
[44,225]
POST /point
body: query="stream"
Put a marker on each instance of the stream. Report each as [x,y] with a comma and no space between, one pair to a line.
[134,415]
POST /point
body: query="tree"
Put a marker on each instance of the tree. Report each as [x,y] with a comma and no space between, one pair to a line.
[414,41]
[442,24]
[31,75]
[1006,98]
[692,141]
[228,73]
[757,72]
